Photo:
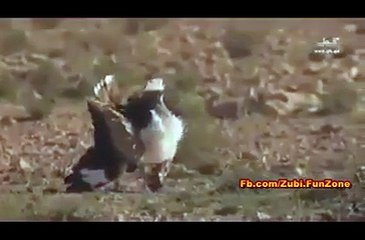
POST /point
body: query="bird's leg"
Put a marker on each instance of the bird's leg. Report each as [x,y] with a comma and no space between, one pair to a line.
[166,167]
[155,173]
[132,181]
[152,176]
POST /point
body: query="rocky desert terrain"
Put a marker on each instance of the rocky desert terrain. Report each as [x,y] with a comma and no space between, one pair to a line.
[258,101]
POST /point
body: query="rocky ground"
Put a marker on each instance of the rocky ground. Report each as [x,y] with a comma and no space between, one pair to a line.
[258,102]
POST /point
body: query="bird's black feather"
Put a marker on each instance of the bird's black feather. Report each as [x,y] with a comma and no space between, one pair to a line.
[137,110]
[113,149]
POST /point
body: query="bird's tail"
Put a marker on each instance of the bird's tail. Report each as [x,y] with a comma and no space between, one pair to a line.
[107,91]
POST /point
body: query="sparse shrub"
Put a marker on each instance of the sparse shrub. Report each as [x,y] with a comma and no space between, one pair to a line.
[46,79]
[145,46]
[13,41]
[62,205]
[12,206]
[186,81]
[341,98]
[134,26]
[104,65]
[36,105]
[202,137]
[193,105]
[8,85]
[127,77]
[78,90]
[239,44]
[131,26]
[153,24]
[45,23]
[5,24]
[107,41]
[297,53]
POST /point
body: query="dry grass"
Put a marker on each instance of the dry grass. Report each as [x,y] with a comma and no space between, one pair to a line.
[280,137]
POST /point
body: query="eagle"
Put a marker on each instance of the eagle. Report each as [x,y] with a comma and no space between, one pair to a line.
[141,133]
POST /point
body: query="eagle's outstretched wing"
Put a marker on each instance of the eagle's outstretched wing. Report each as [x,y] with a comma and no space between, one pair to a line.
[115,150]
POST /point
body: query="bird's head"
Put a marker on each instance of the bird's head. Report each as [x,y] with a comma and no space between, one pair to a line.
[155,84]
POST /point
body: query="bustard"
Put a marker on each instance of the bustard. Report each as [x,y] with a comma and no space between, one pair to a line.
[141,132]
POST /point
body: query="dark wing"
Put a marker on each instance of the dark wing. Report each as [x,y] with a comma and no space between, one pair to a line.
[123,136]
[75,181]
[103,141]
[115,148]
[137,109]
[113,132]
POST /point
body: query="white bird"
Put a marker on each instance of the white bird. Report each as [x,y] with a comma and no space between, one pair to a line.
[142,131]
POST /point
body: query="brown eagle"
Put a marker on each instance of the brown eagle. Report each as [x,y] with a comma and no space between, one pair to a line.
[142,132]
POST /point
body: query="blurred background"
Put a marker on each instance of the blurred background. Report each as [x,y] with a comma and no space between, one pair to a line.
[258,100]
